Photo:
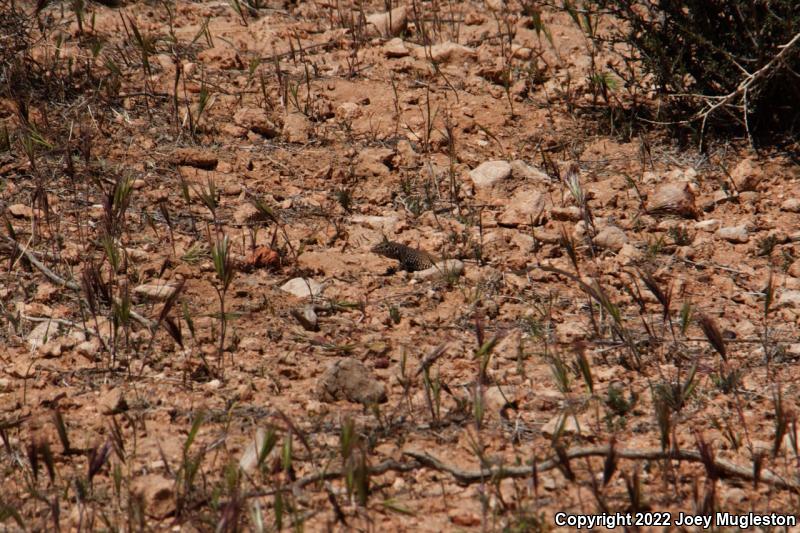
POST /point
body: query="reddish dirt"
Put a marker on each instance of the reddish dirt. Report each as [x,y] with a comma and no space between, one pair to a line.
[347,136]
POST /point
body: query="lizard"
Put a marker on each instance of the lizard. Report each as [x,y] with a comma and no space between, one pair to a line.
[411,259]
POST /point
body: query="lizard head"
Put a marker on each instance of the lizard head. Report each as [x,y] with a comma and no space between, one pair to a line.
[382,247]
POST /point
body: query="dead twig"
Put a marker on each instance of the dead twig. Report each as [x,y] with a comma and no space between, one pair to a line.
[58,280]
[725,469]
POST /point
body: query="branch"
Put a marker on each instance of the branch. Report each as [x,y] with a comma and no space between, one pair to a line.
[725,469]
[58,280]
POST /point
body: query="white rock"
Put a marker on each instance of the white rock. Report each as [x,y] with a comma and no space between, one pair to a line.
[385,224]
[490,172]
[43,332]
[446,269]
[521,169]
[158,290]
[302,287]
[448,52]
[735,234]
[789,299]
[249,458]
[792,205]
[388,23]
[711,225]
[611,238]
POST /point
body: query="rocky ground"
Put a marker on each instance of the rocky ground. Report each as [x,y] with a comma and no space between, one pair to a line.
[198,335]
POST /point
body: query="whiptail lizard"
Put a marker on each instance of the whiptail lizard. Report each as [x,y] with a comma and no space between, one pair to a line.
[411,259]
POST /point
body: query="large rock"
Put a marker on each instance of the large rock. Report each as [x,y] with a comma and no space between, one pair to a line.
[611,238]
[158,290]
[302,287]
[526,206]
[348,379]
[790,298]
[792,205]
[747,175]
[256,120]
[448,52]
[672,198]
[734,234]
[195,157]
[395,48]
[296,128]
[448,269]
[157,493]
[490,172]
[389,23]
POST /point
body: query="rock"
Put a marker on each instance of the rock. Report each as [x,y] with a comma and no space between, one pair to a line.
[20,211]
[223,55]
[395,48]
[195,157]
[611,238]
[385,224]
[711,225]
[464,518]
[794,269]
[252,344]
[448,269]
[249,459]
[42,333]
[790,298]
[256,120]
[509,346]
[569,331]
[792,205]
[89,348]
[747,175]
[5,385]
[474,18]
[112,402]
[52,348]
[296,128]
[247,212]
[307,317]
[720,197]
[570,425]
[157,493]
[522,170]
[571,213]
[389,23]
[672,198]
[45,292]
[302,287]
[734,234]
[496,397]
[447,52]
[526,206]
[348,379]
[629,254]
[490,172]
[373,162]
[348,111]
[159,290]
